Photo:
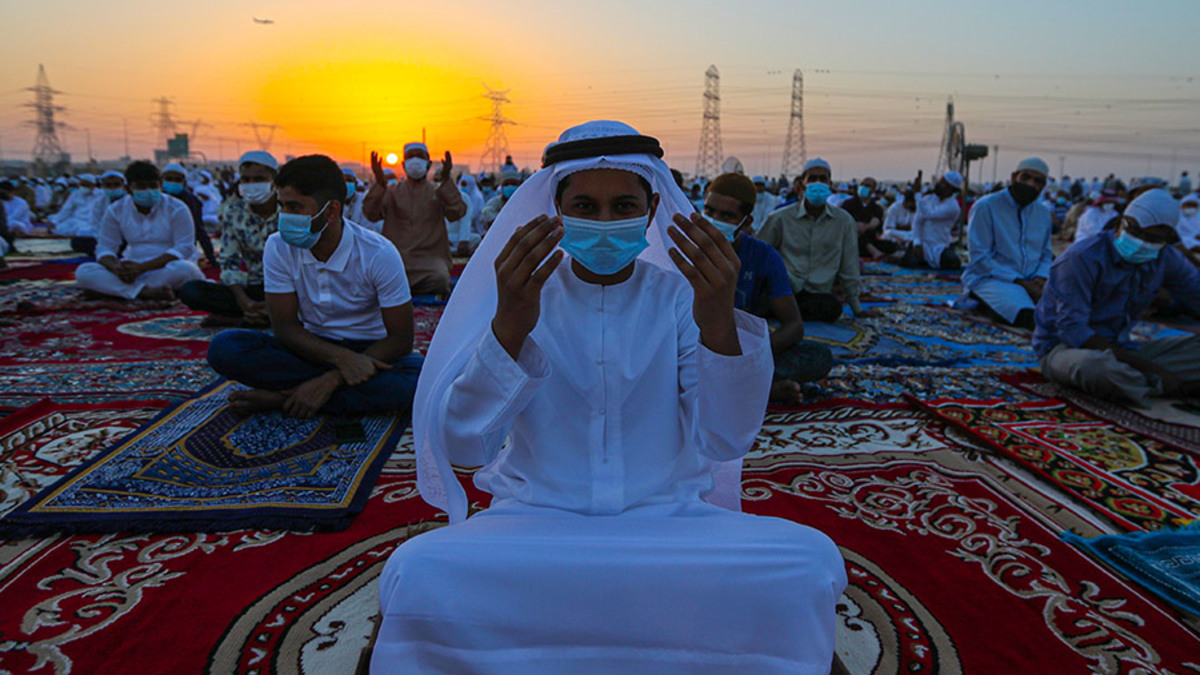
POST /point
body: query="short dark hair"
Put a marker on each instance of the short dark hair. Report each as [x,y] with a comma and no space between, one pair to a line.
[143,172]
[562,187]
[315,176]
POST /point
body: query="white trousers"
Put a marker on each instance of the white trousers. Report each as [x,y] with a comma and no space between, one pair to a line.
[1004,297]
[96,277]
[670,588]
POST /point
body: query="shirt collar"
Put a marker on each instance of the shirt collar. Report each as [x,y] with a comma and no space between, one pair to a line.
[341,255]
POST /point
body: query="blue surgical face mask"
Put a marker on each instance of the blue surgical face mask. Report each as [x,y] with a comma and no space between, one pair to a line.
[508,190]
[147,197]
[114,194]
[172,188]
[727,229]
[1134,250]
[817,193]
[296,228]
[393,181]
[864,191]
[350,188]
[604,247]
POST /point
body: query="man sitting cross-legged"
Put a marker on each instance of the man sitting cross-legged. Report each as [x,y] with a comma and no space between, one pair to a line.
[339,305]
[145,244]
[763,287]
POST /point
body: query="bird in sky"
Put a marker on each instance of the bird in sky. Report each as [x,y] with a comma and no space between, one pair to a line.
[263,21]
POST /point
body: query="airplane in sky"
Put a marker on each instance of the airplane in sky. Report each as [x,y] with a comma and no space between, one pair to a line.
[263,21]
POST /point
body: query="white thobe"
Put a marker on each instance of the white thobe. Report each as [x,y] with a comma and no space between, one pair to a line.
[898,225]
[354,214]
[1092,221]
[1007,243]
[933,226]
[463,229]
[167,228]
[20,218]
[764,204]
[210,202]
[598,554]
[74,219]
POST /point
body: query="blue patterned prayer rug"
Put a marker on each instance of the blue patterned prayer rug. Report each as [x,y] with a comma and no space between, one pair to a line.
[198,467]
[1166,562]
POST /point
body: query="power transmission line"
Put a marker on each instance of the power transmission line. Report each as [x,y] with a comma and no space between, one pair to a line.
[709,156]
[47,149]
[496,148]
[795,152]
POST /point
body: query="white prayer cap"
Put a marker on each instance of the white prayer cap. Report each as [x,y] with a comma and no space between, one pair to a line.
[1190,199]
[954,178]
[760,179]
[260,157]
[842,187]
[206,174]
[1035,164]
[1154,207]
[415,146]
[111,173]
[1143,181]
[174,167]
[347,171]
[509,172]
[389,172]
[814,163]
[87,178]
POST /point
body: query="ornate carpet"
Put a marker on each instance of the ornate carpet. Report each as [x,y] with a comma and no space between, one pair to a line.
[201,467]
[1136,481]
[952,558]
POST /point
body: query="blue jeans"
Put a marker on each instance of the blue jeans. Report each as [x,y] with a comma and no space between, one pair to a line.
[262,361]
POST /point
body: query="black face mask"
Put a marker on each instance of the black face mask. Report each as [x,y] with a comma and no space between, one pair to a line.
[1023,194]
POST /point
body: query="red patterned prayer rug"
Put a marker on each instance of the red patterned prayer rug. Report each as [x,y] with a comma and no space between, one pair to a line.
[953,567]
[1137,482]
[1184,436]
[42,443]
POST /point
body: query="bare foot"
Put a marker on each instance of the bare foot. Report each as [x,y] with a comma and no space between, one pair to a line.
[157,293]
[219,320]
[256,400]
[787,392]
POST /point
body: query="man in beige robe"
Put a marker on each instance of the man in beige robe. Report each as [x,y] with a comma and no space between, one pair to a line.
[414,214]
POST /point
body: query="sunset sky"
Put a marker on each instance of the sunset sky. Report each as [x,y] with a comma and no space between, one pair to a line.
[1093,86]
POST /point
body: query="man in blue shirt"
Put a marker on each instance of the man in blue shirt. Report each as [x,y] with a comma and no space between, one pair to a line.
[764,289]
[1097,290]
[1009,243]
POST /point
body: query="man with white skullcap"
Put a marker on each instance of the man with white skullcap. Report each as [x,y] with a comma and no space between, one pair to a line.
[933,226]
[819,246]
[1009,243]
[247,221]
[74,217]
[628,388]
[764,203]
[414,214]
[510,180]
[1097,290]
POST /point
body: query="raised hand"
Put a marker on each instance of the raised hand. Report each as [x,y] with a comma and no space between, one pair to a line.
[520,275]
[706,258]
[377,168]
[447,167]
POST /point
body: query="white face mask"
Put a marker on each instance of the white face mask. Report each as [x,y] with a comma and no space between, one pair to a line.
[1190,211]
[256,193]
[416,167]
[1108,207]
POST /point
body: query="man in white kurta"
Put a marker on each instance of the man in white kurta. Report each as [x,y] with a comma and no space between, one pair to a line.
[599,553]
[74,218]
[159,237]
[933,225]
[1010,252]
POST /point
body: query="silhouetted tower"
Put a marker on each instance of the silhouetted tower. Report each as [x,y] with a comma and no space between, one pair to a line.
[263,133]
[795,154]
[951,149]
[164,124]
[709,156]
[46,147]
[496,148]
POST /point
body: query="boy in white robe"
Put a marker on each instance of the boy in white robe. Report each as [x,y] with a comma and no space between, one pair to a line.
[623,385]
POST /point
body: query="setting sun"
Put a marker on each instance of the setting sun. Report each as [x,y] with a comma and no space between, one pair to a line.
[392,158]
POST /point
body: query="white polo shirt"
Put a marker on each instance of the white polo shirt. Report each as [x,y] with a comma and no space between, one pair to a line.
[341,298]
